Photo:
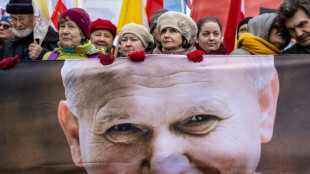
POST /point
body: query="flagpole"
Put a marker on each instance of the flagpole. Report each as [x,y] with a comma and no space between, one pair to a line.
[45,32]
[182,5]
[116,49]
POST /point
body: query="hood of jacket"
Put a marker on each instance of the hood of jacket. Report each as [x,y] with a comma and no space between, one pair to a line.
[261,25]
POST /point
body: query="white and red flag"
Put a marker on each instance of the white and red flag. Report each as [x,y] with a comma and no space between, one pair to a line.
[61,6]
[235,15]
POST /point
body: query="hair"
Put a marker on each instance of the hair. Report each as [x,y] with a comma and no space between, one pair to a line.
[85,80]
[206,19]
[288,8]
[62,20]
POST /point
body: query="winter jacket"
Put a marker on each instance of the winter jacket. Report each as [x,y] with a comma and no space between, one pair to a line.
[19,46]
[81,52]
[297,49]
[259,26]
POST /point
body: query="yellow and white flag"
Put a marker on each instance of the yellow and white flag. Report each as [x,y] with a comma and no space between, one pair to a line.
[41,19]
[132,11]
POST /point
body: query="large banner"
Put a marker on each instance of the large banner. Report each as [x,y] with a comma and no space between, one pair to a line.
[226,114]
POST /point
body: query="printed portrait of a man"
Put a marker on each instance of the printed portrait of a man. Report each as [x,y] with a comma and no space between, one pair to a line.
[169,115]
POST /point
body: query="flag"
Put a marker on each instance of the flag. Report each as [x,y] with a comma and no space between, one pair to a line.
[41,19]
[152,6]
[132,11]
[235,15]
[175,5]
[220,8]
[3,8]
[61,6]
[172,5]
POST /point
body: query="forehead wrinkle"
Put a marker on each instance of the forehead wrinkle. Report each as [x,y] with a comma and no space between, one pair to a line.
[138,90]
[215,103]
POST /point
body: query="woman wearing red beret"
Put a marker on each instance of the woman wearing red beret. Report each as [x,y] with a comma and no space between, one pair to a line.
[102,35]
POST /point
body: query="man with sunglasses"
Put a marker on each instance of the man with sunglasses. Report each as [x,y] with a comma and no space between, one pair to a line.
[5,29]
[22,20]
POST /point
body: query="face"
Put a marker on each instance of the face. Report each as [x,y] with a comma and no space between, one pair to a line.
[277,38]
[130,43]
[162,125]
[70,35]
[242,29]
[209,37]
[5,31]
[23,24]
[299,28]
[102,38]
[156,36]
[171,39]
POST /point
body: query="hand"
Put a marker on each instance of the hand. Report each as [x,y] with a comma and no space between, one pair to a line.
[195,56]
[106,59]
[34,51]
[8,63]
[137,56]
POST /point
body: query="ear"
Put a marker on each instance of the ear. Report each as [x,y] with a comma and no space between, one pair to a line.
[268,103]
[196,39]
[70,126]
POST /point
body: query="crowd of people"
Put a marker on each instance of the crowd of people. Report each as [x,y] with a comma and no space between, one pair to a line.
[170,33]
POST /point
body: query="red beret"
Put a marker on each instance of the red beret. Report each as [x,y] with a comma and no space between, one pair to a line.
[80,17]
[103,24]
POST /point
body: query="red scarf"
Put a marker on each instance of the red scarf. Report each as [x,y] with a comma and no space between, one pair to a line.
[222,50]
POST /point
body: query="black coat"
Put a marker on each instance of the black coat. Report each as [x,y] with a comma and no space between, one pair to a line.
[297,49]
[19,46]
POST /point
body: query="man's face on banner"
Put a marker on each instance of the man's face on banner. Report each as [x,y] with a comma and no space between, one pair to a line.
[193,126]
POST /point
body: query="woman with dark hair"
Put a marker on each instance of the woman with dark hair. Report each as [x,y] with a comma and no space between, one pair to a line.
[209,37]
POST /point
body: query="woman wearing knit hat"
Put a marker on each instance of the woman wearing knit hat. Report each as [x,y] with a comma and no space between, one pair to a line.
[209,37]
[177,33]
[134,37]
[102,35]
[74,32]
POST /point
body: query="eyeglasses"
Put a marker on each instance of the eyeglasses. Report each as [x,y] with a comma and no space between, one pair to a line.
[5,26]
[21,19]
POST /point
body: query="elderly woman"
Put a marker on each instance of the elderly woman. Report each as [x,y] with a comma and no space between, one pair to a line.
[102,34]
[133,38]
[209,37]
[264,37]
[74,31]
[177,33]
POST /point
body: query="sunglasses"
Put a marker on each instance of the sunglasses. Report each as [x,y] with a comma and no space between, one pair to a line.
[5,26]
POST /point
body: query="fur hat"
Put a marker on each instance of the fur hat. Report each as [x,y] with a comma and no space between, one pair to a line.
[179,21]
[19,7]
[80,17]
[103,24]
[140,31]
[154,18]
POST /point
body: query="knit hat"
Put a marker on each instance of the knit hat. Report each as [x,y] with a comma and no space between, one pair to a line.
[179,21]
[19,7]
[140,31]
[6,19]
[103,24]
[80,17]
[243,21]
[154,18]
